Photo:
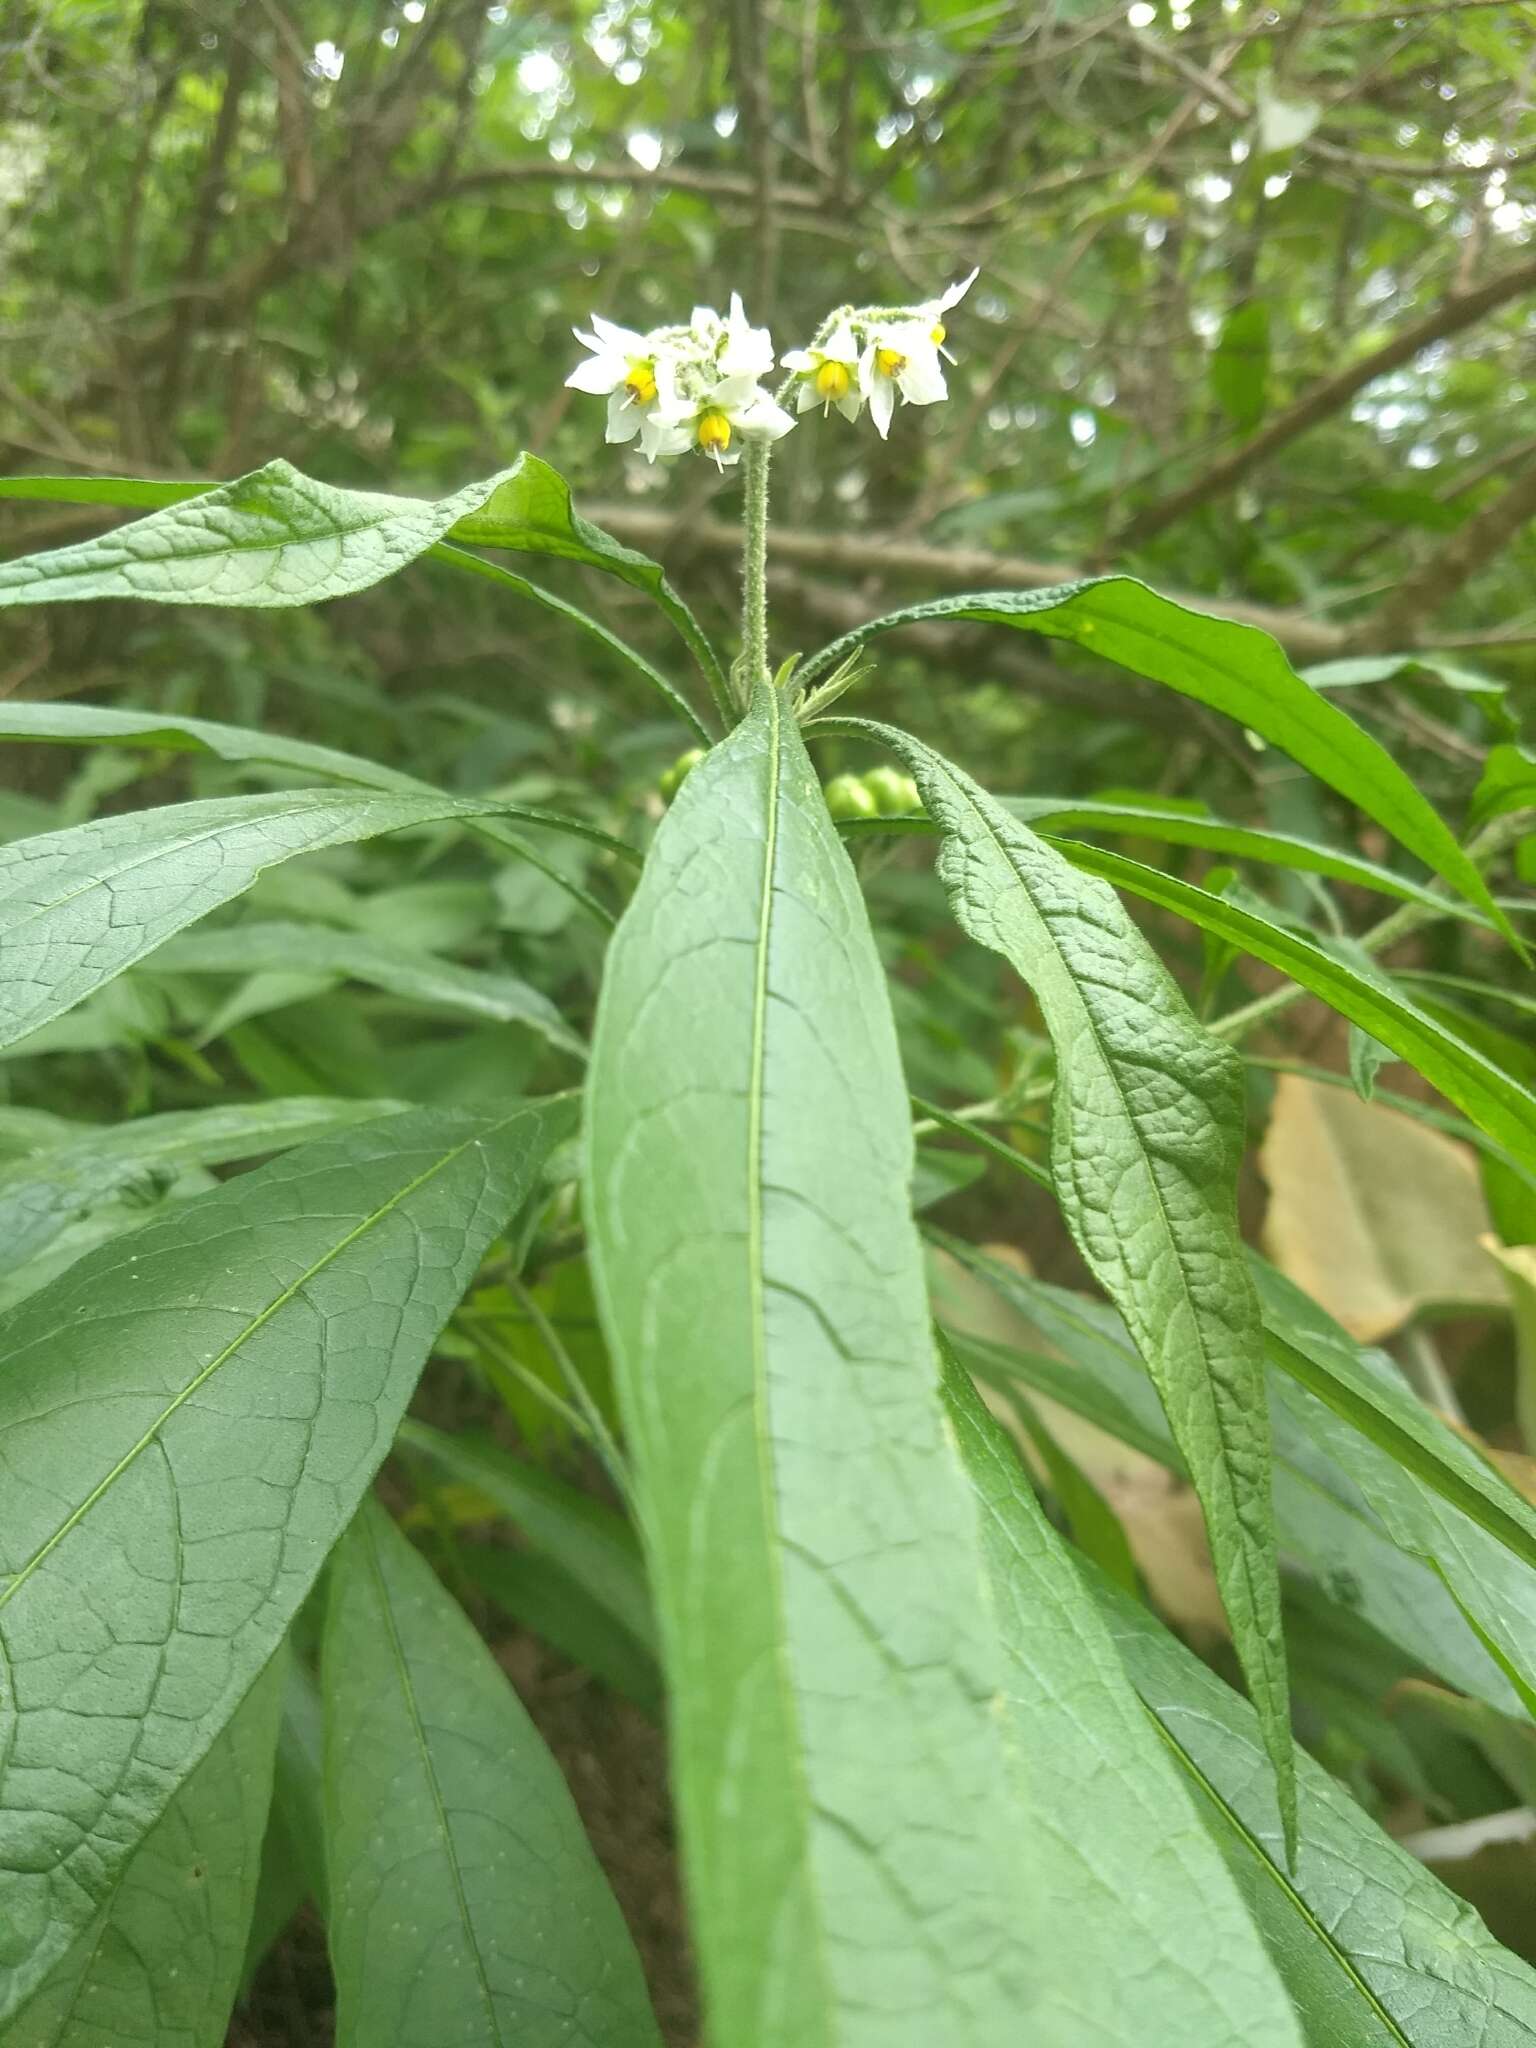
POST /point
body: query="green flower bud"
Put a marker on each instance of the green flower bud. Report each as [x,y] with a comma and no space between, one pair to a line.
[848,798]
[674,778]
[895,794]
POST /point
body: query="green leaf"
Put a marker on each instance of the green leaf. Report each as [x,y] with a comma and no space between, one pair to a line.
[539,1595]
[77,907]
[1147,1937]
[1235,669]
[1325,1477]
[530,512]
[256,947]
[274,537]
[1240,363]
[1488,1095]
[1508,783]
[293,1851]
[161,1961]
[465,1901]
[1146,1143]
[1433,1494]
[94,724]
[1374,1950]
[88,1165]
[188,1418]
[1308,1346]
[830,1659]
[277,537]
[588,1540]
[1241,842]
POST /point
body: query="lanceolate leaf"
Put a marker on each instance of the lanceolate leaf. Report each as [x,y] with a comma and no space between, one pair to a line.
[815,1559]
[465,1903]
[1216,835]
[90,1164]
[1313,1350]
[253,947]
[188,1418]
[1374,1950]
[1233,668]
[161,1962]
[1327,1481]
[277,537]
[1146,1141]
[78,906]
[93,724]
[1147,1935]
[1487,1094]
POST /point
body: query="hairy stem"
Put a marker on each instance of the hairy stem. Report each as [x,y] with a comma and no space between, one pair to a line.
[754,566]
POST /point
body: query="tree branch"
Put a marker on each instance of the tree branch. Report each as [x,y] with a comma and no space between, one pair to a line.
[845,555]
[1454,313]
[1436,581]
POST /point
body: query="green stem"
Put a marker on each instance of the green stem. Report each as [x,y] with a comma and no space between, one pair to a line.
[754,566]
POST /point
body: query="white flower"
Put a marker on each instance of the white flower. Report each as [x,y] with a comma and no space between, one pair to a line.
[828,372]
[935,309]
[716,417]
[901,355]
[748,350]
[627,369]
[684,387]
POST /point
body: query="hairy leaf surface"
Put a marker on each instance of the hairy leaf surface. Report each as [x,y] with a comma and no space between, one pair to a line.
[278,537]
[188,1418]
[465,1903]
[274,537]
[1146,1142]
[78,906]
[814,1553]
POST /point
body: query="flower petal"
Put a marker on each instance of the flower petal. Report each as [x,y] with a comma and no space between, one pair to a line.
[957,292]
[598,375]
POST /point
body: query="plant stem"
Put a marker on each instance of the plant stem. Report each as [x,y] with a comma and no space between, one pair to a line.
[754,565]
[1494,838]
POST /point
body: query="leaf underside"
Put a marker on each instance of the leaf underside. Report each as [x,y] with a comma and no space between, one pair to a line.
[188,1418]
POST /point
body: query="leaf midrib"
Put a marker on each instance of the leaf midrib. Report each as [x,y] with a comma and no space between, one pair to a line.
[1272,1870]
[758,1317]
[1169,1235]
[419,1735]
[201,1378]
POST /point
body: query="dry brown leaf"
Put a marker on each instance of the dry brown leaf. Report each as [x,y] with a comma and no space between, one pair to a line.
[1372,1213]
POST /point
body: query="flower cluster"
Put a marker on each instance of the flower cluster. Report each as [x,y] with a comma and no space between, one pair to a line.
[684,387]
[873,355]
[700,386]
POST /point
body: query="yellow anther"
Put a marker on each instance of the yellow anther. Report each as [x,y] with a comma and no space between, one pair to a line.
[641,382]
[889,361]
[714,431]
[937,332]
[832,381]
